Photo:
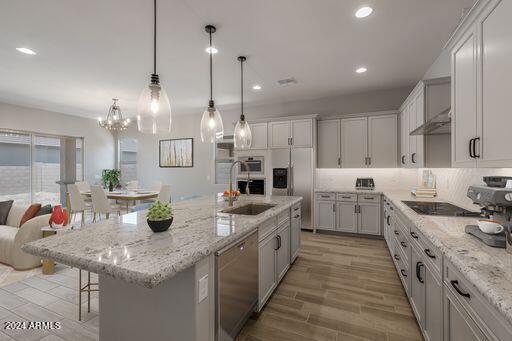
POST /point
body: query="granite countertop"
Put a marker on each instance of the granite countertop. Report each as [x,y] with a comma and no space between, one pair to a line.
[488,269]
[126,248]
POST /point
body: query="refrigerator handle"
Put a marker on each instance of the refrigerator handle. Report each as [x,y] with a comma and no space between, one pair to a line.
[291,178]
[288,178]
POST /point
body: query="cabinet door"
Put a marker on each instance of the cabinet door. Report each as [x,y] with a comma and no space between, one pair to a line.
[464,103]
[369,219]
[346,217]
[458,325]
[433,325]
[329,144]
[267,268]
[411,119]
[418,286]
[283,251]
[295,236]
[279,134]
[419,104]
[302,133]
[325,215]
[494,116]
[404,137]
[354,142]
[382,141]
[259,135]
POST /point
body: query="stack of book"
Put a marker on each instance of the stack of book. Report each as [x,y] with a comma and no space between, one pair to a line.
[424,192]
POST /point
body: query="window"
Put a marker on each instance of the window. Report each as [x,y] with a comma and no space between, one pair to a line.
[224,157]
[128,159]
[31,167]
[15,169]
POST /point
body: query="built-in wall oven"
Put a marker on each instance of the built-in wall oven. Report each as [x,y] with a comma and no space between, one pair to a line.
[253,164]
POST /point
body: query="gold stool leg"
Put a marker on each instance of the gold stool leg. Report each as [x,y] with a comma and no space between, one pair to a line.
[88,291]
[79,294]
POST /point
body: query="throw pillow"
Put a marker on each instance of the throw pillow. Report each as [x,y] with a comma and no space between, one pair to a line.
[46,209]
[30,213]
[5,208]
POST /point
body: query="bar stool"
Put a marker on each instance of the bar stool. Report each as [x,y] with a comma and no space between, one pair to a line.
[87,288]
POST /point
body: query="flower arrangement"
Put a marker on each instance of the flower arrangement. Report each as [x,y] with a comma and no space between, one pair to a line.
[160,216]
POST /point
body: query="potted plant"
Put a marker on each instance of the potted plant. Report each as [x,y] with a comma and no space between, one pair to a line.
[160,216]
[111,178]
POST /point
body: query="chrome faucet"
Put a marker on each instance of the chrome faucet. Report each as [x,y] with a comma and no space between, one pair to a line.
[230,203]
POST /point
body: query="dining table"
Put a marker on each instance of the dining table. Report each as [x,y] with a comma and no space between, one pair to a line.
[128,196]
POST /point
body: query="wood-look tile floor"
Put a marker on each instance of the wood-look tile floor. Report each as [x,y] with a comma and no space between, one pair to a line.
[339,288]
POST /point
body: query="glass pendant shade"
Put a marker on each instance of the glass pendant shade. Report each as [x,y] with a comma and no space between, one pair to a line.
[212,128]
[243,135]
[154,110]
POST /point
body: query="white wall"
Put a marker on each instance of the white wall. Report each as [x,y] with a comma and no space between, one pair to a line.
[99,148]
[441,66]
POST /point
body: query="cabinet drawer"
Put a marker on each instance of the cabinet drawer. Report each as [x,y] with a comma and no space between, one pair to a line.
[266,228]
[283,216]
[489,320]
[403,269]
[325,196]
[432,254]
[369,198]
[296,209]
[347,197]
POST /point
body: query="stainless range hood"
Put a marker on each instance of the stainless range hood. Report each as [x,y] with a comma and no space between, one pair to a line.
[437,125]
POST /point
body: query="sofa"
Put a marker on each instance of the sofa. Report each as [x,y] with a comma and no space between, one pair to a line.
[13,237]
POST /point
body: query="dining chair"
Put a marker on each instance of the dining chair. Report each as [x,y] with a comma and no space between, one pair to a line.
[165,194]
[131,185]
[77,204]
[83,186]
[100,204]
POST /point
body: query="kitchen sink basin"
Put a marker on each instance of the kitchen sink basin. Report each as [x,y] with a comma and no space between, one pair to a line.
[249,209]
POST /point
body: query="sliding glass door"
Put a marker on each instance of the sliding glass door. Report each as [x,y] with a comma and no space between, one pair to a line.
[32,166]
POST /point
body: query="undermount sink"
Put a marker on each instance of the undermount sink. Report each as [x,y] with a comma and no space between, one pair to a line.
[249,209]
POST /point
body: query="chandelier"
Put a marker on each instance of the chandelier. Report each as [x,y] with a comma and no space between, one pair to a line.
[115,120]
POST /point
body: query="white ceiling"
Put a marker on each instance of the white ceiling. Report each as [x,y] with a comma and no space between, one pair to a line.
[91,51]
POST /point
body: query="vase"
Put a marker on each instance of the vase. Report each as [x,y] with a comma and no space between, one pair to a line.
[57,219]
[110,186]
[160,225]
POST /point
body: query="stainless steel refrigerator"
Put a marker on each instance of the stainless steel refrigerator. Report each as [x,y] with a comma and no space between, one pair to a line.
[292,174]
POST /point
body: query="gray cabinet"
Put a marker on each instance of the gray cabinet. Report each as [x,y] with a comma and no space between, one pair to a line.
[259,135]
[346,217]
[295,233]
[329,143]
[267,268]
[458,325]
[418,286]
[295,133]
[369,218]
[382,141]
[283,250]
[433,324]
[325,215]
[354,142]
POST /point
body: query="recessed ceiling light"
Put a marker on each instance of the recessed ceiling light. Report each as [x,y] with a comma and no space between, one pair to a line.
[26,50]
[256,87]
[363,12]
[361,70]
[213,50]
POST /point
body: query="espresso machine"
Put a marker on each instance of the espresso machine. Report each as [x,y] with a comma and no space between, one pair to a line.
[496,204]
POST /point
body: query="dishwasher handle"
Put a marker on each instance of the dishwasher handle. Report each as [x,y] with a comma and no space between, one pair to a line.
[240,243]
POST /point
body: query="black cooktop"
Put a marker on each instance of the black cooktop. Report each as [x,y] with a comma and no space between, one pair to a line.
[439,209]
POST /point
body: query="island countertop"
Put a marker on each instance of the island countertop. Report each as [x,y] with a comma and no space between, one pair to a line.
[125,247]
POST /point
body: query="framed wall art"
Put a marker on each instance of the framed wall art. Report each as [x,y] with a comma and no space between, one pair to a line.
[176,153]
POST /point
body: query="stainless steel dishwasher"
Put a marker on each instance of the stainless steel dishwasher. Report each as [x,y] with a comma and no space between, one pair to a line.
[237,286]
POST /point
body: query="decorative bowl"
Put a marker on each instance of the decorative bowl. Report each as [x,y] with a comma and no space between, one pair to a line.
[160,225]
[226,197]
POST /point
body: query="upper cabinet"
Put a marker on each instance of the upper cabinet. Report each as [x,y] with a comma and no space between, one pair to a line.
[294,133]
[259,135]
[481,119]
[358,142]
[412,115]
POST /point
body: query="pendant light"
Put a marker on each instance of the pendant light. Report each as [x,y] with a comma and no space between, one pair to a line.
[154,109]
[243,135]
[212,128]
[114,120]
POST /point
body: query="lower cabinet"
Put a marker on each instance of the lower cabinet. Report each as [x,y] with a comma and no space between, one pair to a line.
[296,225]
[283,249]
[458,325]
[267,268]
[433,326]
[356,214]
[346,213]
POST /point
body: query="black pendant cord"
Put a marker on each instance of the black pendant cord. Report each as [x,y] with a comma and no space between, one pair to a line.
[242,116]
[154,37]
[211,71]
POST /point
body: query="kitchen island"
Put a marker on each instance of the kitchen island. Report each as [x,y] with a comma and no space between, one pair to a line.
[159,286]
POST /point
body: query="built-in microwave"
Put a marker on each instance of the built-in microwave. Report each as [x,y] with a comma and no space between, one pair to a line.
[255,165]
